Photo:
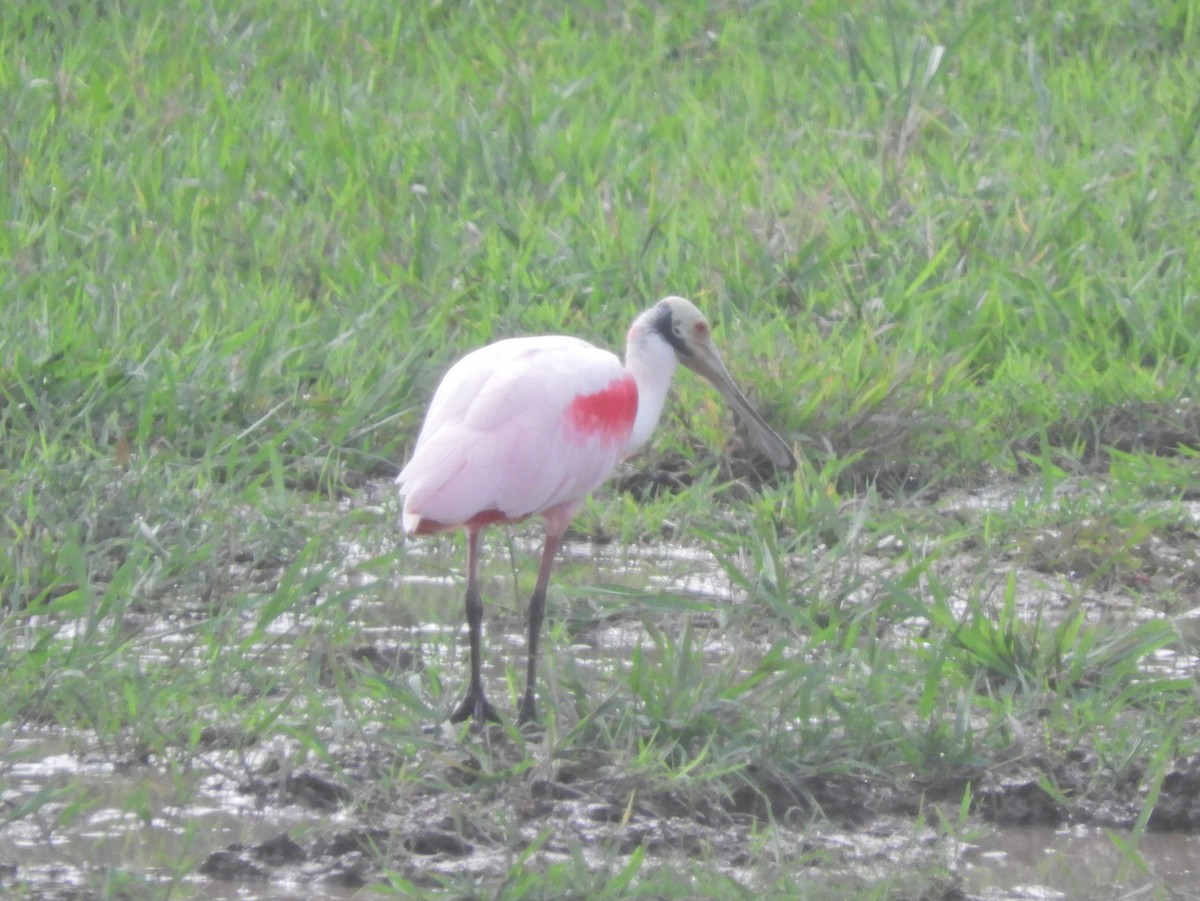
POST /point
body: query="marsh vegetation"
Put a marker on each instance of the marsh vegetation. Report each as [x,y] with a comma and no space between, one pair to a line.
[949,249]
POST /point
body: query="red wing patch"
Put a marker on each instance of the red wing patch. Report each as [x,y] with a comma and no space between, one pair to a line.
[608,414]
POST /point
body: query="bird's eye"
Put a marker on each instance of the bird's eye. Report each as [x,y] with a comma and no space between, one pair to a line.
[700,331]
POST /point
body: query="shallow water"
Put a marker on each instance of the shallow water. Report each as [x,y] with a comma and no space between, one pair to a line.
[1078,863]
[123,823]
[161,842]
[108,822]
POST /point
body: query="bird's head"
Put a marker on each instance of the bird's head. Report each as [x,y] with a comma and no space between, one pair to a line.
[684,328]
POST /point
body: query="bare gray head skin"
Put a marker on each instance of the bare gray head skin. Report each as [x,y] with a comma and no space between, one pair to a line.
[686,330]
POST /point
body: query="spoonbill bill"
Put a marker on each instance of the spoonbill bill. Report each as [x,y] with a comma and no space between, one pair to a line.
[531,426]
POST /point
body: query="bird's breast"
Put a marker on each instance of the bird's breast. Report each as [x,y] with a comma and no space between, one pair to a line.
[607,414]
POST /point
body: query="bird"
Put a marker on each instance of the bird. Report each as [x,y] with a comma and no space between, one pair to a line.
[531,427]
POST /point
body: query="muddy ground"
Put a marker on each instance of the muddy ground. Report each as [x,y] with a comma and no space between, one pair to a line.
[485,808]
[845,828]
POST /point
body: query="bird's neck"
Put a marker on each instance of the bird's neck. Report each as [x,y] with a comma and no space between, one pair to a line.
[652,363]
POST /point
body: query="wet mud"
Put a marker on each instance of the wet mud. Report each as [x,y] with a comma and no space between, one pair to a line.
[338,831]
[461,808]
[834,826]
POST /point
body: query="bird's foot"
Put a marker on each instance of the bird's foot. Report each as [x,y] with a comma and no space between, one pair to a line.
[527,715]
[477,706]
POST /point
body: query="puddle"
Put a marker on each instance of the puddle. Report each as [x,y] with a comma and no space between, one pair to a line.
[1077,863]
[123,826]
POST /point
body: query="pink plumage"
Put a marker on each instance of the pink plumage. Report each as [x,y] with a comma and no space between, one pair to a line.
[531,426]
[520,427]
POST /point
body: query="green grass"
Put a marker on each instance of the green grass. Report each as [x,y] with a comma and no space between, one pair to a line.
[945,248]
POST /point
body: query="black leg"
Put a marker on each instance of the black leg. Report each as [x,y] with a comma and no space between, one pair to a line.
[475,704]
[537,610]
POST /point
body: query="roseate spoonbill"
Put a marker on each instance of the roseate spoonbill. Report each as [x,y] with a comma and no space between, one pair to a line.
[532,426]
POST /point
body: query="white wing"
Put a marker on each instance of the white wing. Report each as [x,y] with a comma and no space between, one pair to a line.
[497,436]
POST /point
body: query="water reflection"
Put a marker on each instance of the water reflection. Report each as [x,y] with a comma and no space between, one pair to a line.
[1078,863]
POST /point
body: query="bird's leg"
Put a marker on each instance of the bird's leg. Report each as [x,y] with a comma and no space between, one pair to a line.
[537,609]
[475,704]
